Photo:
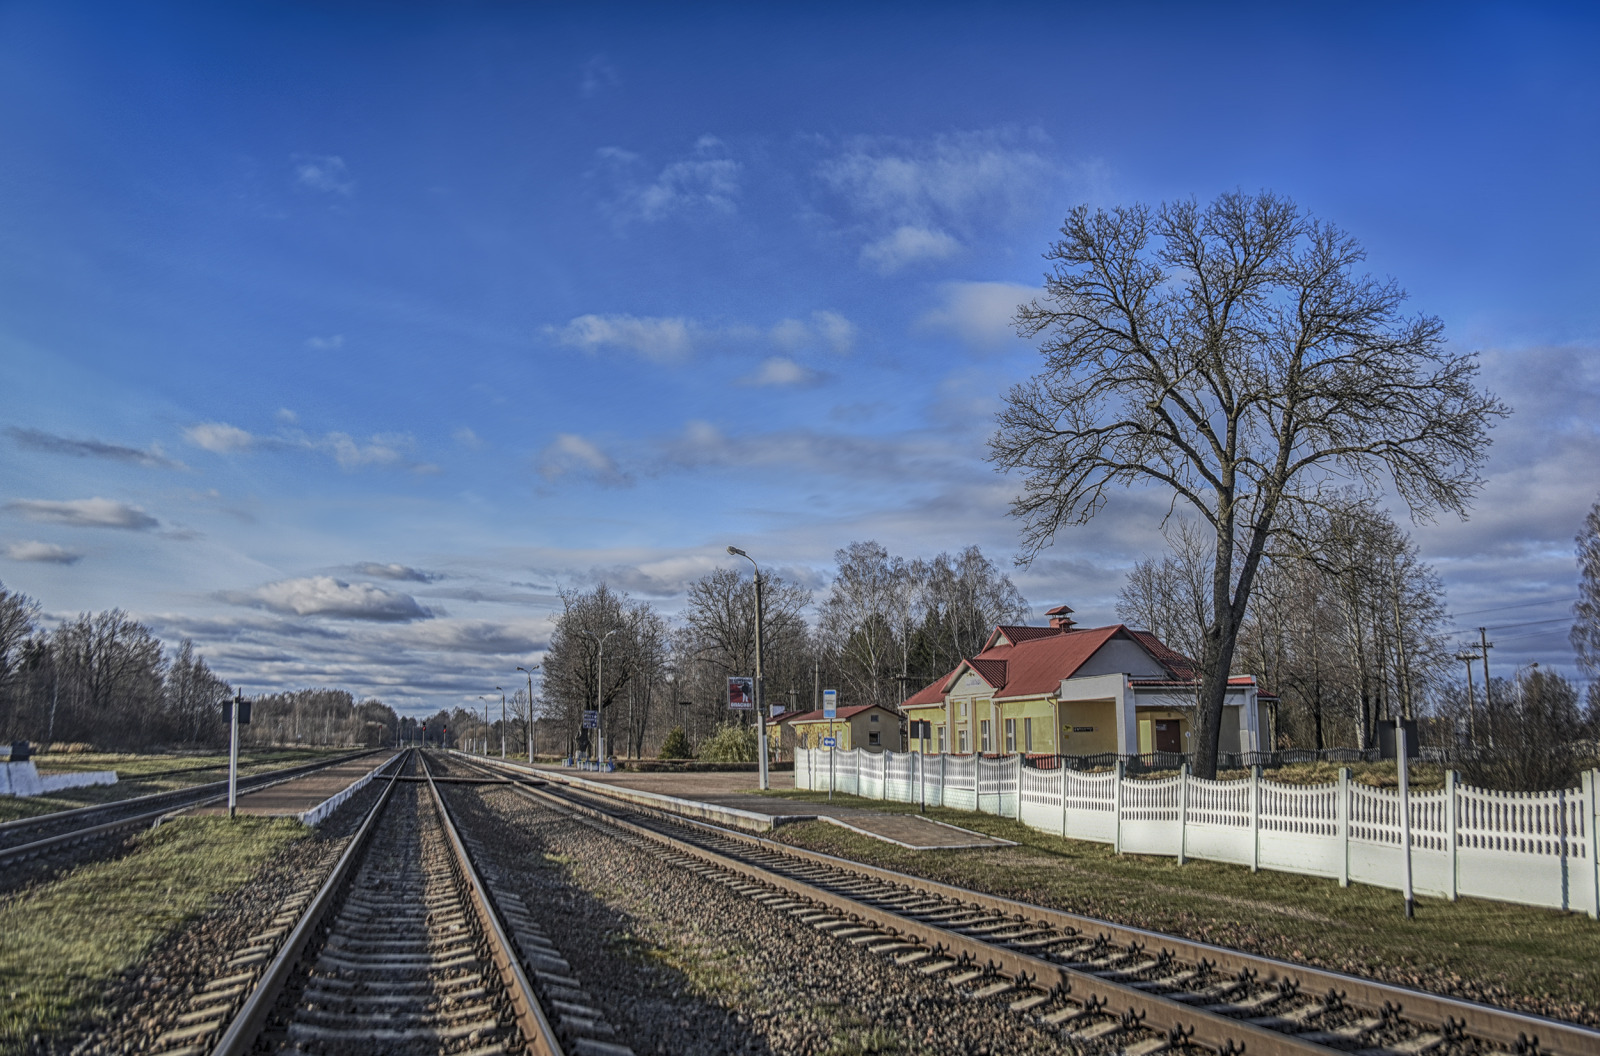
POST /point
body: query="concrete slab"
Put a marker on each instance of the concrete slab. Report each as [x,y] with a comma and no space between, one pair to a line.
[739,792]
[303,795]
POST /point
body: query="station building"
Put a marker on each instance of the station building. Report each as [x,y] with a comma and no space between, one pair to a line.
[1069,690]
[866,726]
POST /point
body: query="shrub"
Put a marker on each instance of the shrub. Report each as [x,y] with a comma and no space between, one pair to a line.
[676,746]
[730,744]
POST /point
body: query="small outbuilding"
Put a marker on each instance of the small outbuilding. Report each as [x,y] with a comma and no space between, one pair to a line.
[866,726]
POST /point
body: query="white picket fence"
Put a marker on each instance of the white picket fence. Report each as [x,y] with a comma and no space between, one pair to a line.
[1532,848]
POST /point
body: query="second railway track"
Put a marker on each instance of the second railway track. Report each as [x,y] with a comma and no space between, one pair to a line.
[1096,985]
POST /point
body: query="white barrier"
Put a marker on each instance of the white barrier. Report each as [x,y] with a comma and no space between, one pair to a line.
[22,779]
[1531,848]
[319,813]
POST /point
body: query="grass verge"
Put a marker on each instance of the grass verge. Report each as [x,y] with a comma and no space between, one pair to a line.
[130,776]
[66,940]
[1535,959]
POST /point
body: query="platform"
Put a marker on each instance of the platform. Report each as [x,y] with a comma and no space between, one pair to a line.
[736,795]
[310,798]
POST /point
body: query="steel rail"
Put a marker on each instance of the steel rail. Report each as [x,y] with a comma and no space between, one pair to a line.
[1517,1031]
[240,1037]
[537,1032]
[169,800]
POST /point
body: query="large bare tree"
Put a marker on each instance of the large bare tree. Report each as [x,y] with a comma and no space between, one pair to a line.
[1235,355]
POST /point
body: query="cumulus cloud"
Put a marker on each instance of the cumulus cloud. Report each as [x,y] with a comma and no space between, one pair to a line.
[825,330]
[661,340]
[484,637]
[382,450]
[907,245]
[917,201]
[571,453]
[403,573]
[326,596]
[50,443]
[467,438]
[85,513]
[705,180]
[218,437]
[44,553]
[780,371]
[323,172]
[325,344]
[978,313]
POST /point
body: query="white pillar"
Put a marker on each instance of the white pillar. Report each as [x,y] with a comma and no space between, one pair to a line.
[1403,768]
[1451,778]
[1116,791]
[1344,826]
[1591,817]
[1255,819]
[1183,812]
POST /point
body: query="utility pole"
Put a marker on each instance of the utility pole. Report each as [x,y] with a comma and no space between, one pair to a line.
[529,672]
[502,724]
[1467,658]
[1488,690]
[761,717]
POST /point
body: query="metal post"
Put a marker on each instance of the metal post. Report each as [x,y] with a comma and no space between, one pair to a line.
[761,695]
[1451,780]
[1183,811]
[529,672]
[832,748]
[1405,810]
[233,757]
[1255,818]
[1488,691]
[1344,826]
[502,723]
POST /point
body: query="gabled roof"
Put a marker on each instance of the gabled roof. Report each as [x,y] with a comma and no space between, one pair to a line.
[1179,665]
[1018,632]
[843,713]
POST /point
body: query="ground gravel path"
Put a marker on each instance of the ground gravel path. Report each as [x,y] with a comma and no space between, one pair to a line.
[680,964]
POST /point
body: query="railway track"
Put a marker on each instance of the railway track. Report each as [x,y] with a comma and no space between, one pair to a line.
[1098,986]
[48,833]
[405,948]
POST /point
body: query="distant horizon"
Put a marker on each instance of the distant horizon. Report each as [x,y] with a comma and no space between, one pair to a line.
[341,339]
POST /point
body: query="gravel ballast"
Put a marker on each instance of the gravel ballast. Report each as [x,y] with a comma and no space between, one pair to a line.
[680,964]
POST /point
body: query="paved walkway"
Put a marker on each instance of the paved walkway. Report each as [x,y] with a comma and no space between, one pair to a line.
[741,791]
[293,798]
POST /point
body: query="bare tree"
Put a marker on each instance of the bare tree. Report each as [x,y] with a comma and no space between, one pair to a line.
[860,620]
[1585,634]
[1235,356]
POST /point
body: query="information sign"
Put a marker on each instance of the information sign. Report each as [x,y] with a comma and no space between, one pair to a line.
[830,703]
[830,742]
[741,692]
[591,720]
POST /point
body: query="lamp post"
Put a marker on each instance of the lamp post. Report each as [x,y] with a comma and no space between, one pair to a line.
[485,699]
[761,696]
[1467,658]
[529,672]
[599,690]
[502,723]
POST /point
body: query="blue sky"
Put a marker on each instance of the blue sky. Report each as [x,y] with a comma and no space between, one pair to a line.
[340,336]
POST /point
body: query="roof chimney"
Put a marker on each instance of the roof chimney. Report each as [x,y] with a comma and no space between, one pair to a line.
[1060,620]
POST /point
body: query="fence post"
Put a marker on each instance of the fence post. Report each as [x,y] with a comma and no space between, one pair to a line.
[942,758]
[1116,801]
[1344,826]
[1591,815]
[1183,811]
[1016,779]
[1255,818]
[1061,769]
[1450,780]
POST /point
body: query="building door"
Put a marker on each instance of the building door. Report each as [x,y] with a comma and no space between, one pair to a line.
[1167,736]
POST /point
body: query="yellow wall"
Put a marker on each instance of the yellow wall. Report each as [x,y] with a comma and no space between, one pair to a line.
[1101,714]
[1041,711]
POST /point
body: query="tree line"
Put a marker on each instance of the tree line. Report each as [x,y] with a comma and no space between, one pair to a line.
[106,680]
[885,627]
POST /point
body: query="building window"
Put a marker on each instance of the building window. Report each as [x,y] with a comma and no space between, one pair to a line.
[961,741]
[874,718]
[872,737]
[1027,735]
[983,735]
[941,740]
[1011,736]
[961,709]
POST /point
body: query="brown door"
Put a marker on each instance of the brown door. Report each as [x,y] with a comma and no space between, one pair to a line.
[1167,739]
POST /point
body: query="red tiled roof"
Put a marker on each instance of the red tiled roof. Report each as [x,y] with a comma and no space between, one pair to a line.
[932,693]
[991,671]
[1019,633]
[843,713]
[1181,666]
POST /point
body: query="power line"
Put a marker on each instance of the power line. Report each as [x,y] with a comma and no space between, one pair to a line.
[1513,626]
[1517,605]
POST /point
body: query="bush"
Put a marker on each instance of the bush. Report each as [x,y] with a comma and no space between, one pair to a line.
[730,744]
[676,746]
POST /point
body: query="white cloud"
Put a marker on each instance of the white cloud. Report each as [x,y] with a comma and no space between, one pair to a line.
[705,180]
[836,330]
[218,437]
[287,416]
[325,344]
[50,443]
[828,330]
[779,371]
[908,245]
[979,313]
[323,172]
[571,453]
[86,513]
[326,596]
[46,553]
[598,75]
[483,637]
[661,340]
[383,450]
[393,571]
[467,438]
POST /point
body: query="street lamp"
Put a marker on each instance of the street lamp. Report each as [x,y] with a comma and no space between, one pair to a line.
[502,725]
[761,702]
[529,672]
[599,684]
[485,698]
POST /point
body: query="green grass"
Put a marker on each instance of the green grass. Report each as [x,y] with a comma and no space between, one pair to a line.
[64,941]
[130,768]
[1489,950]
